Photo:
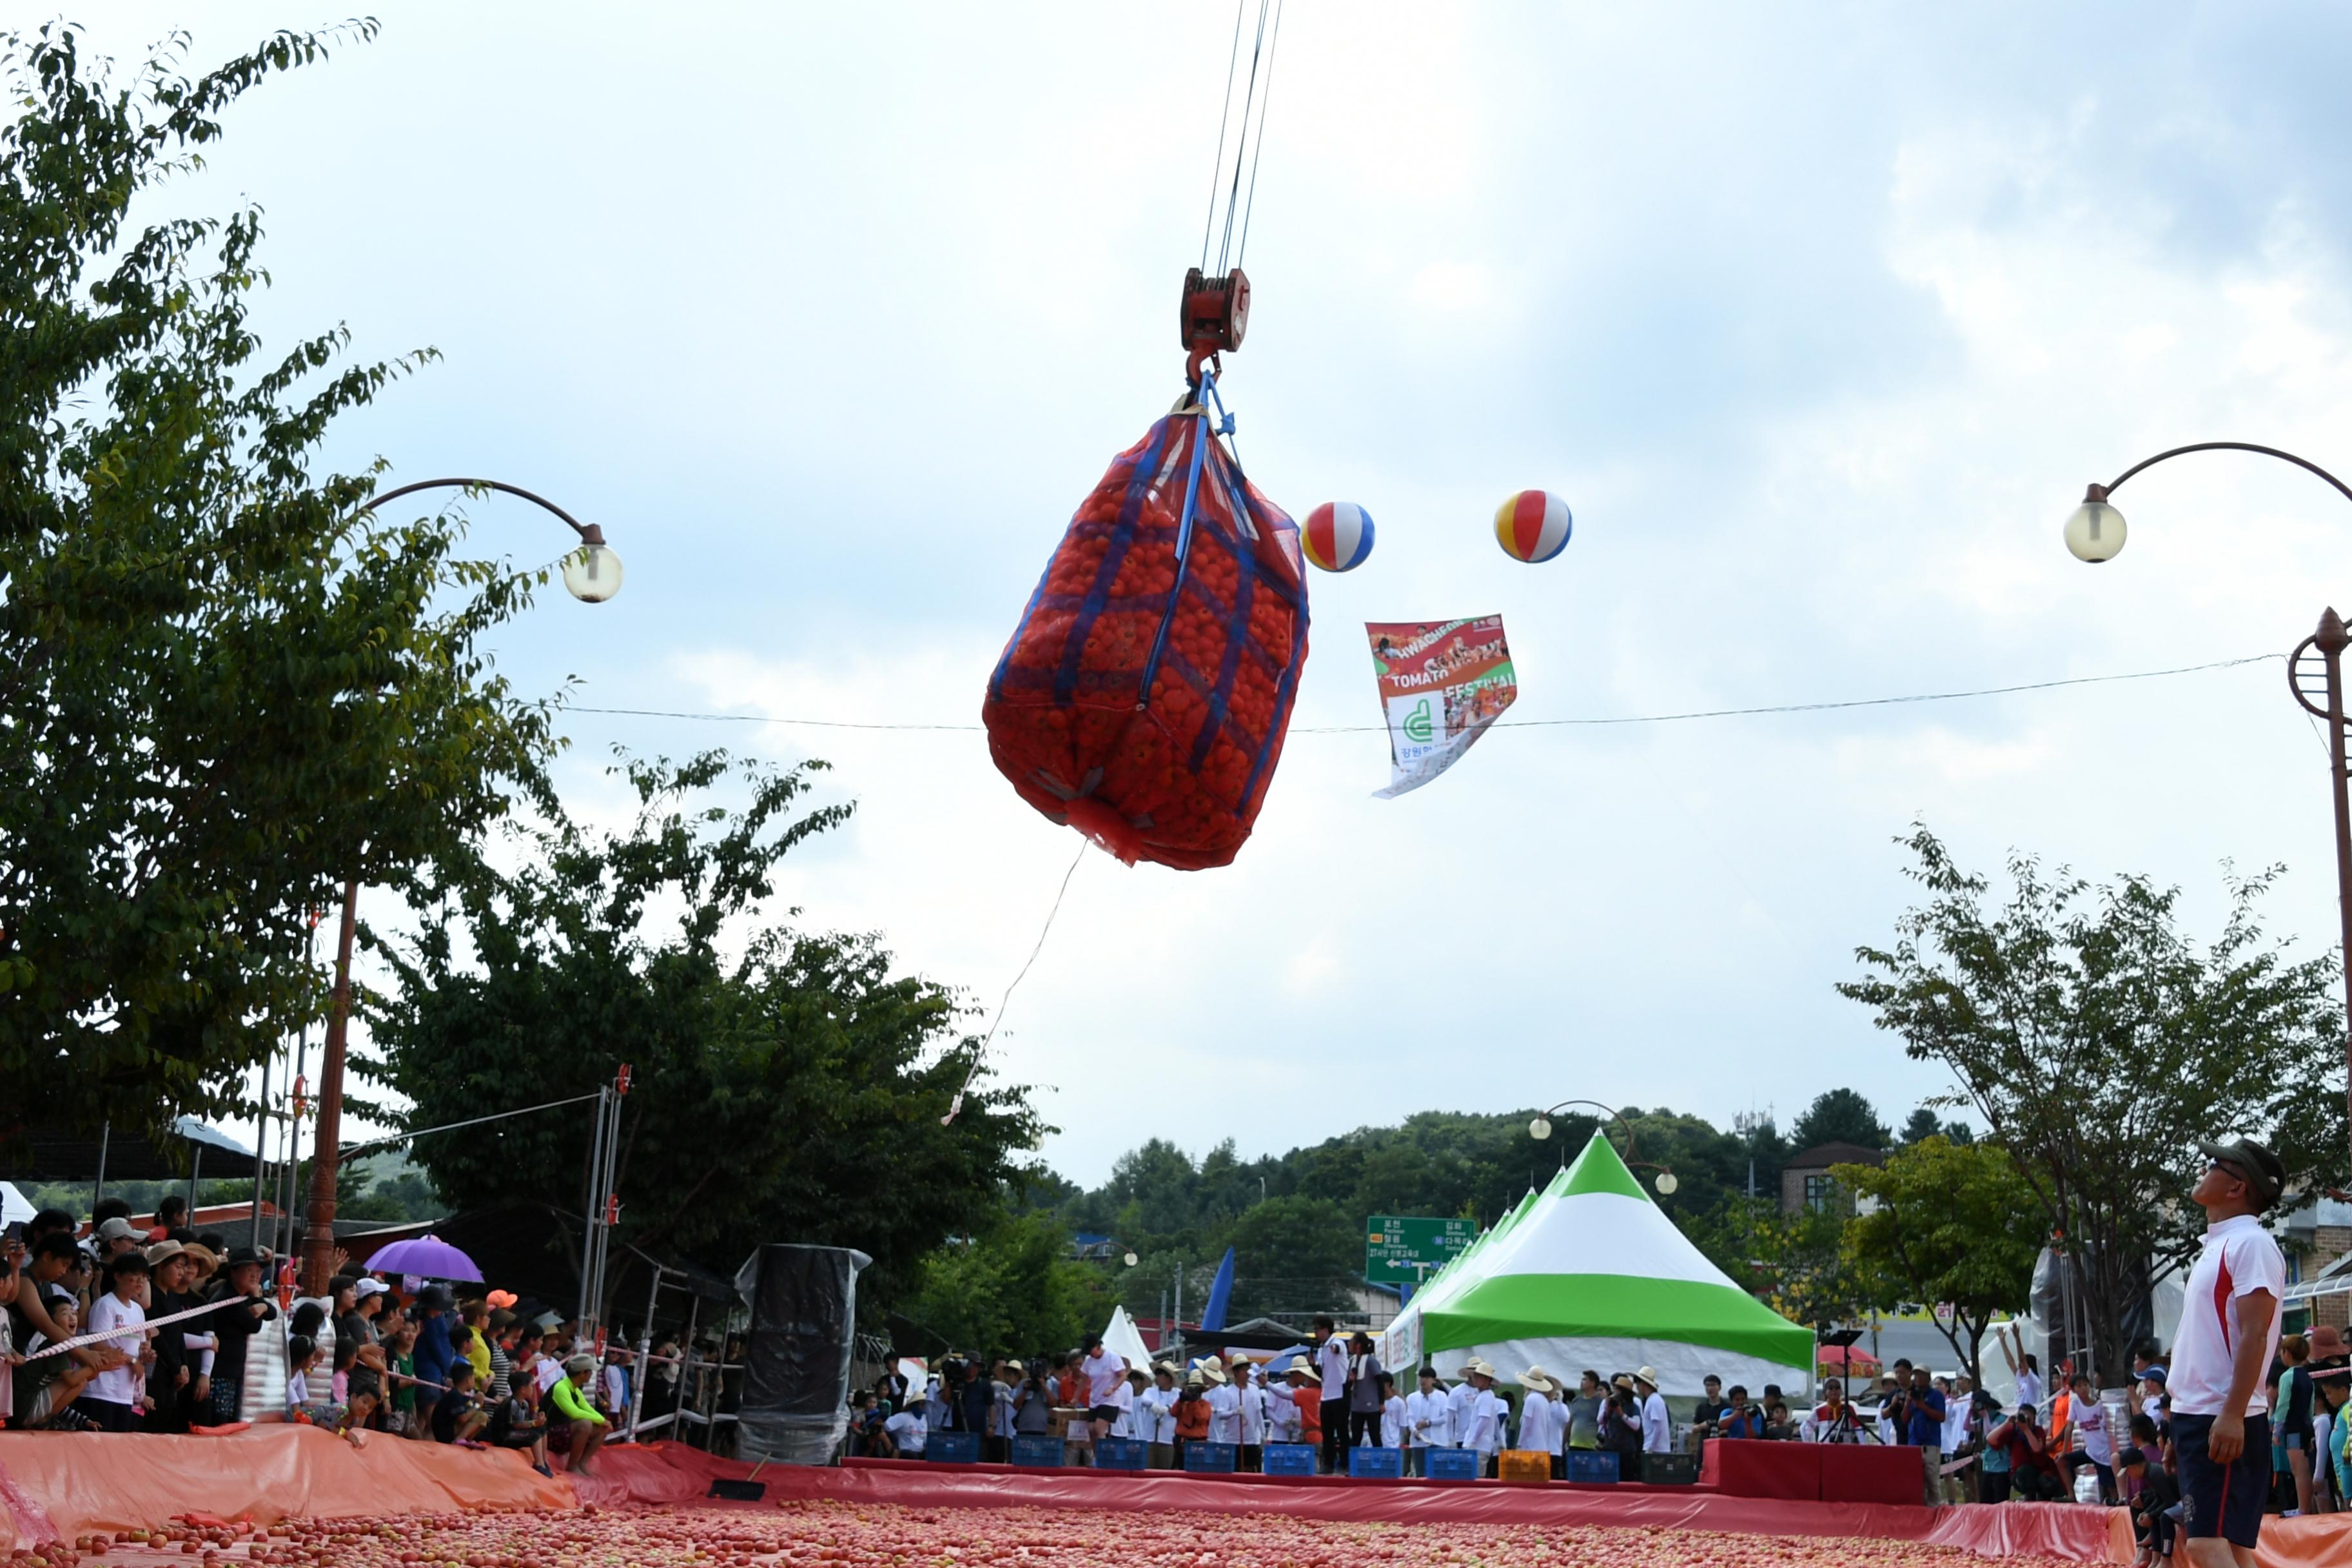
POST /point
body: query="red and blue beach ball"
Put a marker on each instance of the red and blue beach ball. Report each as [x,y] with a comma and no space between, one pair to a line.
[1337,535]
[1532,526]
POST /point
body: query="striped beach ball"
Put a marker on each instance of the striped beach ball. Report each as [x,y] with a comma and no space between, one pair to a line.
[1532,526]
[1337,535]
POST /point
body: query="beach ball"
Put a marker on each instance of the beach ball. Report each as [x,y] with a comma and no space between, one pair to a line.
[1532,526]
[1336,535]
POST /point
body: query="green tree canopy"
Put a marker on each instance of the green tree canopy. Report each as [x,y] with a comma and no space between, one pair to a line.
[224,690]
[2099,1043]
[1011,1287]
[1945,1223]
[1840,1116]
[793,1093]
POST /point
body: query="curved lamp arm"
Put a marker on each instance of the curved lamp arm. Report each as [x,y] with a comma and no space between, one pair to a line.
[589,532]
[2101,492]
[1667,1181]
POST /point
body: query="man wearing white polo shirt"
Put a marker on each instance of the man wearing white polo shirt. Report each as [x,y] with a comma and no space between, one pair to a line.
[2229,1335]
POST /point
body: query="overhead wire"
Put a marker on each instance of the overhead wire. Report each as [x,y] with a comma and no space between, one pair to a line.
[1674,718]
[980,1050]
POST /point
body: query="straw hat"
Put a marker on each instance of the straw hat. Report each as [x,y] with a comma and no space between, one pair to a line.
[1300,1369]
[207,1261]
[1535,1377]
[163,1250]
[1213,1372]
[1195,1380]
[1479,1367]
[1646,1374]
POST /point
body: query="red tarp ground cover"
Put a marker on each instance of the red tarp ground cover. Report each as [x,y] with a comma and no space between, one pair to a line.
[69,1483]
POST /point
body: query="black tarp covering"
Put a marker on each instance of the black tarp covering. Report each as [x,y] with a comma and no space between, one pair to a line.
[55,1154]
[796,1366]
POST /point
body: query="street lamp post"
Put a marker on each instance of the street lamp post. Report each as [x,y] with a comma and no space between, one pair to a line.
[2095,532]
[592,573]
[1539,1129]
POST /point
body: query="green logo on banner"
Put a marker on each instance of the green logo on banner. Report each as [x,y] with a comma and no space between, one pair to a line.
[1420,726]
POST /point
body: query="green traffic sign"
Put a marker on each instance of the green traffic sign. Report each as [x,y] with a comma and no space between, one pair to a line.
[1402,1250]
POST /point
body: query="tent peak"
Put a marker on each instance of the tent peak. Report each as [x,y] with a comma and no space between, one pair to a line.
[1600,1170]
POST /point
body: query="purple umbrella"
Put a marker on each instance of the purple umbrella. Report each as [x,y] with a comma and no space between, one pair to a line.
[428,1257]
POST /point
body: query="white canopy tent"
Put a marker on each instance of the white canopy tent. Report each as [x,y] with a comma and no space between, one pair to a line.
[1591,1273]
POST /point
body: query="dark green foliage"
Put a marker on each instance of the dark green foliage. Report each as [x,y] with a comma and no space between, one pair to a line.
[791,1093]
[221,692]
[1011,1288]
[2098,1042]
[1840,1116]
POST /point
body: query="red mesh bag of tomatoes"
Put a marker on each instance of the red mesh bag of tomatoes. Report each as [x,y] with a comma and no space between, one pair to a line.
[1145,694]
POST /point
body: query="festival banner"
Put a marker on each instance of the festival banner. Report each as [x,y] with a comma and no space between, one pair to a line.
[1441,683]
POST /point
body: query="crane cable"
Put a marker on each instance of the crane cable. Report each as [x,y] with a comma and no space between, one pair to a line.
[1246,148]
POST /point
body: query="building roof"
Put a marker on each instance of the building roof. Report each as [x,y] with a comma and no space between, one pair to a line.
[1821,1156]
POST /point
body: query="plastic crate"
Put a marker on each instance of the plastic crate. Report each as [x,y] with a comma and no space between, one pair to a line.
[1122,1453]
[1375,1463]
[1037,1450]
[1669,1469]
[1210,1458]
[1290,1458]
[952,1448]
[1523,1466]
[1592,1466]
[1451,1464]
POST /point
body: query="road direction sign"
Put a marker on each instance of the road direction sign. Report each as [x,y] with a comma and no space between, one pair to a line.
[1399,1249]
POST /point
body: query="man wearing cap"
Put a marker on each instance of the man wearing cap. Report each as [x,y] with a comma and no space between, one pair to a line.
[1657,1428]
[1103,1375]
[2229,1335]
[117,1236]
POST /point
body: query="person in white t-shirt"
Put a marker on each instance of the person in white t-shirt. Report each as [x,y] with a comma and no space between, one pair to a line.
[1543,1420]
[1224,1405]
[1106,1378]
[111,1400]
[908,1432]
[1657,1427]
[2229,1336]
[1428,1420]
[2022,1366]
[1155,1418]
[1331,1365]
[1482,1416]
[1250,1398]
[1392,1413]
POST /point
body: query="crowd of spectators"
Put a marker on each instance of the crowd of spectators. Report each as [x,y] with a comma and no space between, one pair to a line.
[368,1358]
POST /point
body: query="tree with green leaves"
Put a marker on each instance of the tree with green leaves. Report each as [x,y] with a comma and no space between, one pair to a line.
[1796,1263]
[1840,1116]
[2098,1042]
[1945,1224]
[1010,1288]
[223,689]
[788,1086]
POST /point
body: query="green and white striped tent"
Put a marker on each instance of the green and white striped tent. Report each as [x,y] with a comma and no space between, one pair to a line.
[1591,1273]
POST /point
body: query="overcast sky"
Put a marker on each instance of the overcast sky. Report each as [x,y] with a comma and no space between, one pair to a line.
[1819,317]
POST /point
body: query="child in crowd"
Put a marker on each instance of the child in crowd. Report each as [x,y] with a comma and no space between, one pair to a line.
[458,1415]
[516,1423]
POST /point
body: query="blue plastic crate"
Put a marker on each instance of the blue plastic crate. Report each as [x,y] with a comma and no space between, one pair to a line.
[1121,1454]
[1036,1450]
[1451,1464]
[1375,1463]
[952,1448]
[1210,1458]
[1592,1466]
[1290,1458]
